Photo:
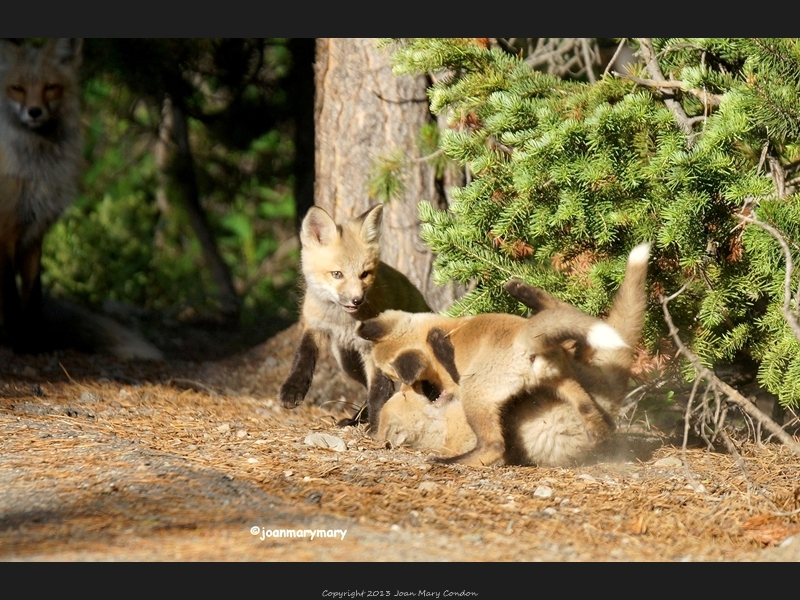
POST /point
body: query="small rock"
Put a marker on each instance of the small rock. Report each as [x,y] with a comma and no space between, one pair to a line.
[543,492]
[88,398]
[324,440]
[427,486]
[669,461]
[224,429]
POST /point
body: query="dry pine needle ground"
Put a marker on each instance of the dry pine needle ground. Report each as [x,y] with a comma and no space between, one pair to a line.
[178,460]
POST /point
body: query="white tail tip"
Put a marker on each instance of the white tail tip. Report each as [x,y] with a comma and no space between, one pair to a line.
[604,337]
[640,254]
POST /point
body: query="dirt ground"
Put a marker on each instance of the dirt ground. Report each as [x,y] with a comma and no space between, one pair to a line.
[194,460]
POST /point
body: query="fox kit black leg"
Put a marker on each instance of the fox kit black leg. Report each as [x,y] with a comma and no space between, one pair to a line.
[534,298]
[294,389]
[380,390]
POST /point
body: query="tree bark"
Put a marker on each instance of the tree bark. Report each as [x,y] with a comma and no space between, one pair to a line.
[364,111]
[301,89]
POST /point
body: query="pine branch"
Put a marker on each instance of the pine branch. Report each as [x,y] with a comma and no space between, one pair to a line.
[786,309]
[704,96]
[731,394]
[648,54]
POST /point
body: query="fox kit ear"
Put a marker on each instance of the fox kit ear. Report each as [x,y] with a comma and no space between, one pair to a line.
[443,350]
[409,366]
[371,224]
[318,228]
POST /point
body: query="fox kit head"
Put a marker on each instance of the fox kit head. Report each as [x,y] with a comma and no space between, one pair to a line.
[340,260]
[39,84]
[411,348]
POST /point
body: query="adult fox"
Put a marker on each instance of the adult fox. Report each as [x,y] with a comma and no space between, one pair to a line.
[41,145]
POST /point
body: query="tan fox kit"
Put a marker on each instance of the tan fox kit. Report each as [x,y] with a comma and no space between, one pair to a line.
[345,284]
[40,163]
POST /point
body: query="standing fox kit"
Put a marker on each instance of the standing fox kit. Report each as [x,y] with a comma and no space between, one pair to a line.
[345,283]
[40,163]
[527,398]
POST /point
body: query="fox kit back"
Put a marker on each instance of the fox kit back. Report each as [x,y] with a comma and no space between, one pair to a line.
[40,163]
[345,284]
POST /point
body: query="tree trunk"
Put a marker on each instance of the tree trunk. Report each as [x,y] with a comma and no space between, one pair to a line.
[364,111]
[301,89]
[174,158]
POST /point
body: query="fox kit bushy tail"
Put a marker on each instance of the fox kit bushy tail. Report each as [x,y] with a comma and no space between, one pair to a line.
[345,284]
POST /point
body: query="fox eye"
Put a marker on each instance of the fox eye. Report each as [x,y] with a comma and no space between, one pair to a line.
[16,88]
[365,274]
[336,274]
[51,86]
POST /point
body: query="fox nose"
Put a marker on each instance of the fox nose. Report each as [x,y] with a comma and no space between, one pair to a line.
[358,301]
[34,112]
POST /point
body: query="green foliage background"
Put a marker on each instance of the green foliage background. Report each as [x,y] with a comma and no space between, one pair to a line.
[117,243]
[568,176]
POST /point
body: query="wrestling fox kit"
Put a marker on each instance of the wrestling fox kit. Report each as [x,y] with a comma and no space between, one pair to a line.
[527,398]
[40,163]
[345,284]
[540,429]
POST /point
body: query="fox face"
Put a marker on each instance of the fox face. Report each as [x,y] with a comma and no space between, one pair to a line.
[340,261]
[37,81]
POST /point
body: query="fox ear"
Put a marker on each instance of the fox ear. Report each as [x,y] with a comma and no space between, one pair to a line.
[9,50]
[409,366]
[371,224]
[443,350]
[66,50]
[318,228]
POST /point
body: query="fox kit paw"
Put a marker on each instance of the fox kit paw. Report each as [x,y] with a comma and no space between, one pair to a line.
[291,397]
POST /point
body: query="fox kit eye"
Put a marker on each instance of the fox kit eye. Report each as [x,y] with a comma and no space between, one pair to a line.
[336,274]
[365,274]
[16,88]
